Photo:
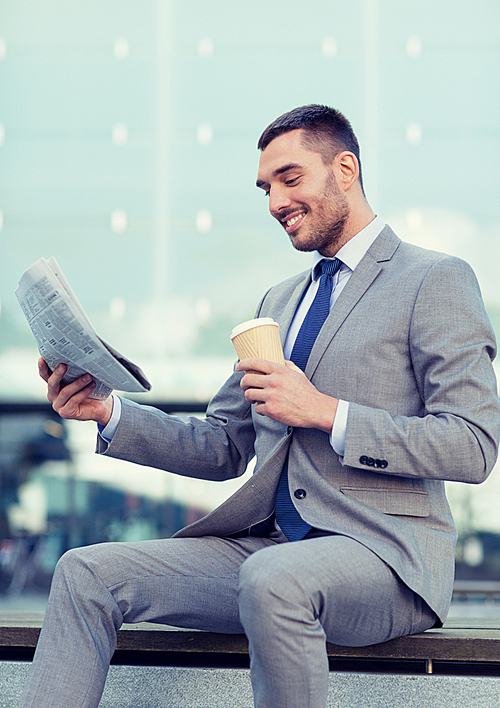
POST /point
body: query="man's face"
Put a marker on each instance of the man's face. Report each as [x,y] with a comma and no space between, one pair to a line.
[303,194]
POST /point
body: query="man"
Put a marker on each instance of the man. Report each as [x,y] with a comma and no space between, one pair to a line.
[344,532]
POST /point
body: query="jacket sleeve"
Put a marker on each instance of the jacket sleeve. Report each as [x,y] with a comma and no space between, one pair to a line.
[451,346]
[217,447]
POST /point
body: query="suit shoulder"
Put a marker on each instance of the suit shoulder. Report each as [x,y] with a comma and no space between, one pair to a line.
[388,245]
[288,285]
[428,262]
[278,295]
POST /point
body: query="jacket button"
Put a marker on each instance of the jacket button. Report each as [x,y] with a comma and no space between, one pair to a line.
[300,493]
[382,464]
[363,460]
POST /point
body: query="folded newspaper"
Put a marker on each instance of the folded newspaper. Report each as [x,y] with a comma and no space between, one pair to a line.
[64,334]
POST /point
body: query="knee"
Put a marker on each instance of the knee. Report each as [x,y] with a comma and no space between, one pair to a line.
[68,563]
[265,582]
[77,567]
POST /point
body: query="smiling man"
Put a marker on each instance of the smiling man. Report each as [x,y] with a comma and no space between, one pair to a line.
[304,195]
[344,532]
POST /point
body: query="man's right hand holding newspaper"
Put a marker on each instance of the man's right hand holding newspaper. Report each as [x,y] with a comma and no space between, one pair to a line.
[72,401]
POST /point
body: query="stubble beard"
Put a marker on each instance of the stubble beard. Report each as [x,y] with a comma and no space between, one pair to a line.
[328,224]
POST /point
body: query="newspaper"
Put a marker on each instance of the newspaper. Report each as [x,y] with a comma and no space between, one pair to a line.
[65,335]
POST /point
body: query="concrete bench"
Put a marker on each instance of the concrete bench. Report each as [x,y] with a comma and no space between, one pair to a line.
[463,658]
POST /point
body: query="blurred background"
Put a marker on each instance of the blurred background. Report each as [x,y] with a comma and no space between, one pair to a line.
[128,138]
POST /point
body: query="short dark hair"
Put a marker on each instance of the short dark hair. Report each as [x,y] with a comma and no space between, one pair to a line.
[326,131]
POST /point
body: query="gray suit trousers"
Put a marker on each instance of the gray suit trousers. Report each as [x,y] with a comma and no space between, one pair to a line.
[288,598]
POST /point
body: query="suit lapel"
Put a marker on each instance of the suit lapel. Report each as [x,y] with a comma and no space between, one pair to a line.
[290,303]
[381,250]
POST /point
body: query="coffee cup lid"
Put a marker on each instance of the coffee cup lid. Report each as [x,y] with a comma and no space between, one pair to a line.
[250,324]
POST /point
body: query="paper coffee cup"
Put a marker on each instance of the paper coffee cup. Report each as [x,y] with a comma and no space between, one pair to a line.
[259,338]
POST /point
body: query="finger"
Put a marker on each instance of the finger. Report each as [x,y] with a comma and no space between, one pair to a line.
[254,394]
[253,380]
[43,370]
[67,403]
[57,375]
[57,392]
[259,408]
[54,382]
[75,388]
[254,364]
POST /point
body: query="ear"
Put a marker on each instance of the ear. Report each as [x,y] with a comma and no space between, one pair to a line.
[347,169]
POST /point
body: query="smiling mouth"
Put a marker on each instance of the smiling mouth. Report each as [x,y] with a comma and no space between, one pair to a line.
[292,223]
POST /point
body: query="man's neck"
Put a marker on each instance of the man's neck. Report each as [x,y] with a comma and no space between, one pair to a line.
[358,220]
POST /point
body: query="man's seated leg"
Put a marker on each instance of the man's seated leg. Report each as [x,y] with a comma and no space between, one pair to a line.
[182,582]
[295,596]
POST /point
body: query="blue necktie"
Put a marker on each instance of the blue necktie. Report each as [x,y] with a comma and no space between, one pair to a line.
[287,516]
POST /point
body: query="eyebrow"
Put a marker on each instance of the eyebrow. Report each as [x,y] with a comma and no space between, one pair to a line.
[279,171]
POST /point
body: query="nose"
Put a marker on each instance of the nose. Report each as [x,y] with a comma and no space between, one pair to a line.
[278,200]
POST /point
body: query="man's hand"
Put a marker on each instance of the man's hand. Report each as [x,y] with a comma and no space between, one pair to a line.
[284,393]
[71,401]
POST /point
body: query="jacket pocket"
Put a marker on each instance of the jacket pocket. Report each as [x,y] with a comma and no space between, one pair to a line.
[389,501]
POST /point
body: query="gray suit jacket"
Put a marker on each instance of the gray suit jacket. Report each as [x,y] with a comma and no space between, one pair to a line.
[409,345]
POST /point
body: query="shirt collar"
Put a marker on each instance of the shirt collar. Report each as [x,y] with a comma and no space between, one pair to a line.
[353,251]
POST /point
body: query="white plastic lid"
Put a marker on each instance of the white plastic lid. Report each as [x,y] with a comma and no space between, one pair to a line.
[250,324]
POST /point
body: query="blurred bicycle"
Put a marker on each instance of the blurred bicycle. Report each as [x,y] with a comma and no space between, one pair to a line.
[21,559]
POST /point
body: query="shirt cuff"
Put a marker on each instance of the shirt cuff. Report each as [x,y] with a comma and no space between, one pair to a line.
[107,431]
[337,437]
